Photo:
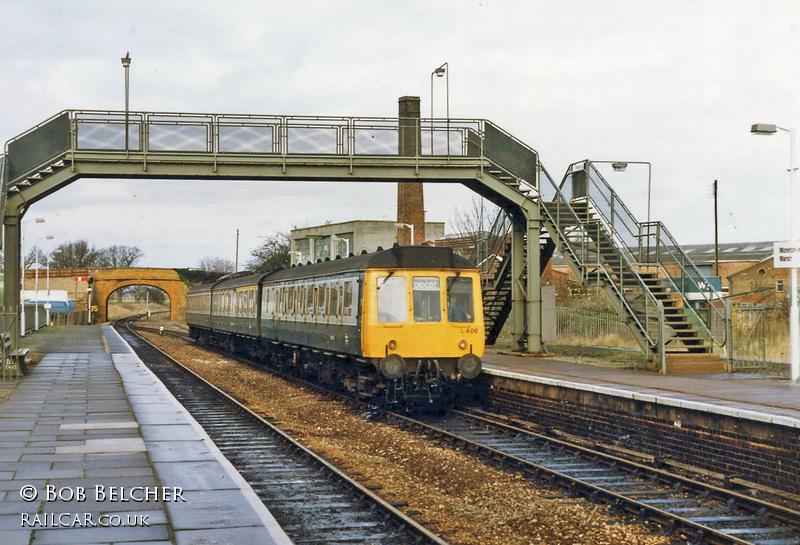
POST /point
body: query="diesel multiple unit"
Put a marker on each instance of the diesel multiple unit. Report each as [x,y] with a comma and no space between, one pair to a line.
[403,325]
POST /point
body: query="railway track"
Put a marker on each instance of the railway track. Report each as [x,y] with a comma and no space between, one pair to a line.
[312,500]
[700,512]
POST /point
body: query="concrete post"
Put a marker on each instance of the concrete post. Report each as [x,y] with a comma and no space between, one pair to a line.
[534,294]
[410,198]
[518,307]
[11,280]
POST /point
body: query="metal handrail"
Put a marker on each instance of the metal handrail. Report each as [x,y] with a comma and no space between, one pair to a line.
[562,201]
[683,261]
[329,135]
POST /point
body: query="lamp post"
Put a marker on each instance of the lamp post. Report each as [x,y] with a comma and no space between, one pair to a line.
[36,286]
[443,70]
[794,315]
[49,302]
[126,63]
[620,166]
[334,241]
[22,276]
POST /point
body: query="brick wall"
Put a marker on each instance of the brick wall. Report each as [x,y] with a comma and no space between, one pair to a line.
[757,452]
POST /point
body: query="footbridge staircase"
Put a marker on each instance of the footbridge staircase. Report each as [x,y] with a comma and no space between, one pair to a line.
[656,288]
[669,305]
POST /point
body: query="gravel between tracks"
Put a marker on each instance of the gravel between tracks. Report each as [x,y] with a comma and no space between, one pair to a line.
[457,496]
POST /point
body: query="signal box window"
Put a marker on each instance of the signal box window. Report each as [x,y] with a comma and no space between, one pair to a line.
[460,307]
[392,302]
[427,299]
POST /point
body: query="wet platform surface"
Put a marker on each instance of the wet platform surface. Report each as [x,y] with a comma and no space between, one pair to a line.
[748,396]
[91,422]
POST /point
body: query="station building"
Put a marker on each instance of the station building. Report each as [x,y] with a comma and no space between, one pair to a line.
[761,283]
[341,239]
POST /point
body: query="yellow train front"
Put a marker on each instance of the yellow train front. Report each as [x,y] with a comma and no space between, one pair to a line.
[422,325]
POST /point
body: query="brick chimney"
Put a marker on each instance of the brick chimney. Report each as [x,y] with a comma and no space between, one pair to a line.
[410,201]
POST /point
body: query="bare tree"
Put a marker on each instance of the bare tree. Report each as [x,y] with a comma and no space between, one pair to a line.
[74,255]
[35,255]
[273,253]
[119,256]
[475,220]
[216,264]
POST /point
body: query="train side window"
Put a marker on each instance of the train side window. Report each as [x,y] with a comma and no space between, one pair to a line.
[392,299]
[460,307]
[427,299]
[310,292]
[347,299]
[333,300]
[321,299]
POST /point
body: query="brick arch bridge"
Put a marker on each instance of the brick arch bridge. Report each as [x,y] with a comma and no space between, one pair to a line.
[107,281]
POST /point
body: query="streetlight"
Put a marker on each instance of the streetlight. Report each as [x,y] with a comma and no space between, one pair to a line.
[22,276]
[335,239]
[36,286]
[794,315]
[443,70]
[401,225]
[620,166]
[126,63]
[49,302]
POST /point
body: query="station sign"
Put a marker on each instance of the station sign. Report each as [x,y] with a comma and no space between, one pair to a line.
[786,255]
[82,278]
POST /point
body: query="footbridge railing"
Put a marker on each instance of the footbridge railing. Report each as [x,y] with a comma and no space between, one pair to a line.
[577,241]
[650,244]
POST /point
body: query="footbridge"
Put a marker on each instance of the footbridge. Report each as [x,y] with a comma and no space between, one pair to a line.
[582,216]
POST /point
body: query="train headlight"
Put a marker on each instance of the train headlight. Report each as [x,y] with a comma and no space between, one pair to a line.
[469,365]
[393,366]
[462,344]
[392,344]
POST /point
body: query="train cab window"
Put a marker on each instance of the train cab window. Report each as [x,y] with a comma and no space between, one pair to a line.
[460,307]
[427,299]
[392,303]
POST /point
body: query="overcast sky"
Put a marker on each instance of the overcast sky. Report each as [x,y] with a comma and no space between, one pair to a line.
[673,83]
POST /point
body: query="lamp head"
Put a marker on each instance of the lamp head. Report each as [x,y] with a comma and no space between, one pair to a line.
[619,166]
[763,128]
[126,60]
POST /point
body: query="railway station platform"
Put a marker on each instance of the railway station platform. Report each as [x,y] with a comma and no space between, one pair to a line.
[96,450]
[746,396]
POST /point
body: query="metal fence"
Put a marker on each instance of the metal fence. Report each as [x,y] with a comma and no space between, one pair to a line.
[759,338]
[586,326]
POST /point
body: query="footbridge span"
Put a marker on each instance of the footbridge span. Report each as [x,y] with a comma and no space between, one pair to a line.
[582,217]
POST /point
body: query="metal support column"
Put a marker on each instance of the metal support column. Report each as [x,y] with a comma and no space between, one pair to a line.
[517,287]
[533,287]
[11,280]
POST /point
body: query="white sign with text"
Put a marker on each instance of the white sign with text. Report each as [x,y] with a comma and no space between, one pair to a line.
[786,255]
